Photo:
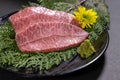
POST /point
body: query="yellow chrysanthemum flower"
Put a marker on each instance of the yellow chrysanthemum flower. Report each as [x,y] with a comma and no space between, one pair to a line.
[85,17]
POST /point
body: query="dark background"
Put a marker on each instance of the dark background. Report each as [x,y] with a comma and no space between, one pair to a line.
[105,68]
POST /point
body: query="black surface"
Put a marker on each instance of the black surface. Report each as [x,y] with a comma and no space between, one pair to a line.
[105,68]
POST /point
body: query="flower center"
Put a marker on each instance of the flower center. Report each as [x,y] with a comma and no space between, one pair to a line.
[85,16]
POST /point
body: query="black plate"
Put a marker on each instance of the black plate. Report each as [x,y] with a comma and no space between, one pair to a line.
[74,64]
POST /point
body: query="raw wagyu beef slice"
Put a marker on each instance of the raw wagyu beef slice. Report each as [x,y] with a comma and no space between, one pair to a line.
[50,36]
[31,15]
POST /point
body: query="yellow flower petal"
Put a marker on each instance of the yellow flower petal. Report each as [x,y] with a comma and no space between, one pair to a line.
[85,17]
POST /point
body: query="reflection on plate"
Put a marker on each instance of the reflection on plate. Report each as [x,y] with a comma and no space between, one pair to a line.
[73,64]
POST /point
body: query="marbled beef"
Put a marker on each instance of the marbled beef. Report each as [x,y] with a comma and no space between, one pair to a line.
[50,36]
[31,15]
[39,29]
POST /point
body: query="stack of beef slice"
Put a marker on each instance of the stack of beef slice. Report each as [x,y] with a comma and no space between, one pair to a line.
[39,29]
